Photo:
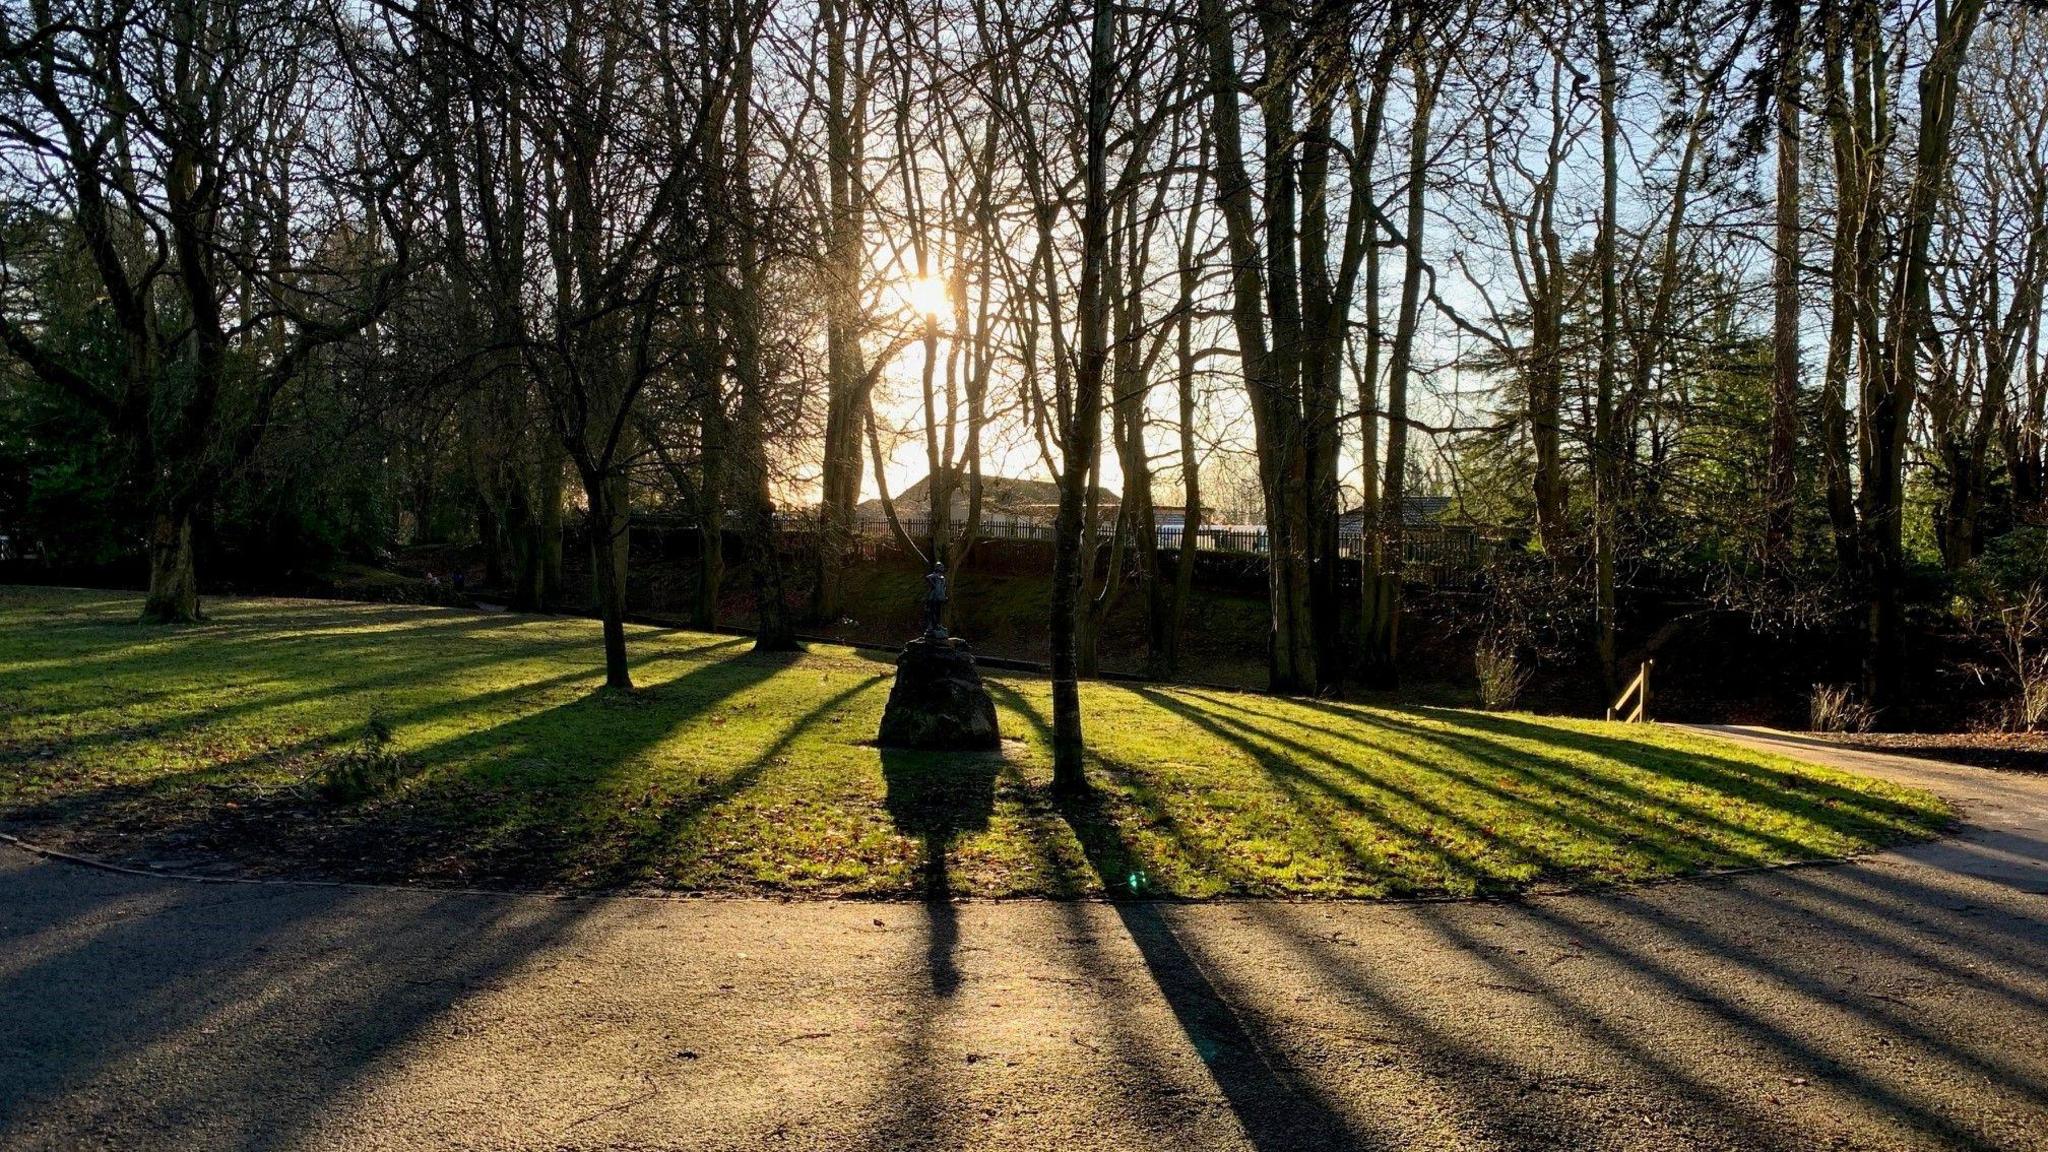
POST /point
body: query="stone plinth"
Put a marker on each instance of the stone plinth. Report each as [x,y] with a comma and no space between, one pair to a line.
[938,702]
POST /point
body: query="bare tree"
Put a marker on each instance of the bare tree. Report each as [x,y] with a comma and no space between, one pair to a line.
[1084,428]
[620,108]
[1990,265]
[1883,303]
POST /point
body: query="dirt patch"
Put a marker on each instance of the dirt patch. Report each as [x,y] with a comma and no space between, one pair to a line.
[2011,751]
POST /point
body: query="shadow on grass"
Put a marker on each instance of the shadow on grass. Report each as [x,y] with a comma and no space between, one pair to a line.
[1666,810]
[536,800]
[1771,1012]
[363,660]
[531,796]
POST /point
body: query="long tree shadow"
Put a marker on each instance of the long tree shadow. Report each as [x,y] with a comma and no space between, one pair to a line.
[529,800]
[641,853]
[1286,762]
[1491,1081]
[1276,1105]
[1597,810]
[1983,1059]
[1873,917]
[1742,1015]
[536,795]
[1689,848]
[1807,791]
[1682,832]
[1246,1057]
[275,1000]
[339,663]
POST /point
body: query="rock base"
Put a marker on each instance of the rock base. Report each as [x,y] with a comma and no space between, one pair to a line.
[938,702]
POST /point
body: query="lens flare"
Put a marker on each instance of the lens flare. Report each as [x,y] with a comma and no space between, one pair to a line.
[927,296]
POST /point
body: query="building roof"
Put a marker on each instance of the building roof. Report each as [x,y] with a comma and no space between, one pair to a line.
[1416,511]
[1000,495]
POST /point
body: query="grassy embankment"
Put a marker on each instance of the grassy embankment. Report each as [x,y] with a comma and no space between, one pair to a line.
[727,771]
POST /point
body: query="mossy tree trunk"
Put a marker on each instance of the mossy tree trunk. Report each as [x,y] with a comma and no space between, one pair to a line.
[173,595]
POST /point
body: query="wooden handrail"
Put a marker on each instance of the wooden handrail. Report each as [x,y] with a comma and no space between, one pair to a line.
[1638,688]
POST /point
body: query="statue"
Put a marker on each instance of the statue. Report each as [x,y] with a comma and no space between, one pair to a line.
[935,602]
[938,702]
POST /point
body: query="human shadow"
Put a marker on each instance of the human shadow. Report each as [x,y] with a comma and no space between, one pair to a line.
[935,797]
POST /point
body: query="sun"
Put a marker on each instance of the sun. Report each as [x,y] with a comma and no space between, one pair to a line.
[927,295]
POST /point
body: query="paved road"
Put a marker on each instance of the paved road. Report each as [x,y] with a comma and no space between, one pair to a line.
[1900,1001]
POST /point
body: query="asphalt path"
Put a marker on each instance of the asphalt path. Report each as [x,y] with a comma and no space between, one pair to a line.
[1896,1001]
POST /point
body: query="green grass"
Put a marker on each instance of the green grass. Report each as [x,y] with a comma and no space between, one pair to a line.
[735,772]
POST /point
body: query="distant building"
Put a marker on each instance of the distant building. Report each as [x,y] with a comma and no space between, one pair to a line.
[1416,512]
[1174,517]
[1006,501]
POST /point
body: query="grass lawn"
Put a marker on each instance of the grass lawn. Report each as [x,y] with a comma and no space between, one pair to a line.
[733,772]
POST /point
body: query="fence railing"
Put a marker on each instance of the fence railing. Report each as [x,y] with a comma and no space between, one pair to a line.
[1448,555]
[1639,690]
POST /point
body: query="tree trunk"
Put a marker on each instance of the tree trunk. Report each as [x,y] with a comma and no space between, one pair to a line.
[1956,512]
[173,596]
[1543,366]
[1082,441]
[1324,311]
[1378,591]
[610,536]
[2026,430]
[773,630]
[1190,535]
[1781,471]
[846,399]
[549,526]
[1190,462]
[520,530]
[1844,298]
[1892,388]
[1273,388]
[1606,460]
[494,543]
[1382,623]
[1375,592]
[711,492]
[1137,517]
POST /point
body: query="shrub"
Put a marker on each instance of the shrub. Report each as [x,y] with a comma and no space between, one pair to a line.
[367,768]
[2016,626]
[1501,675]
[2006,606]
[1834,708]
